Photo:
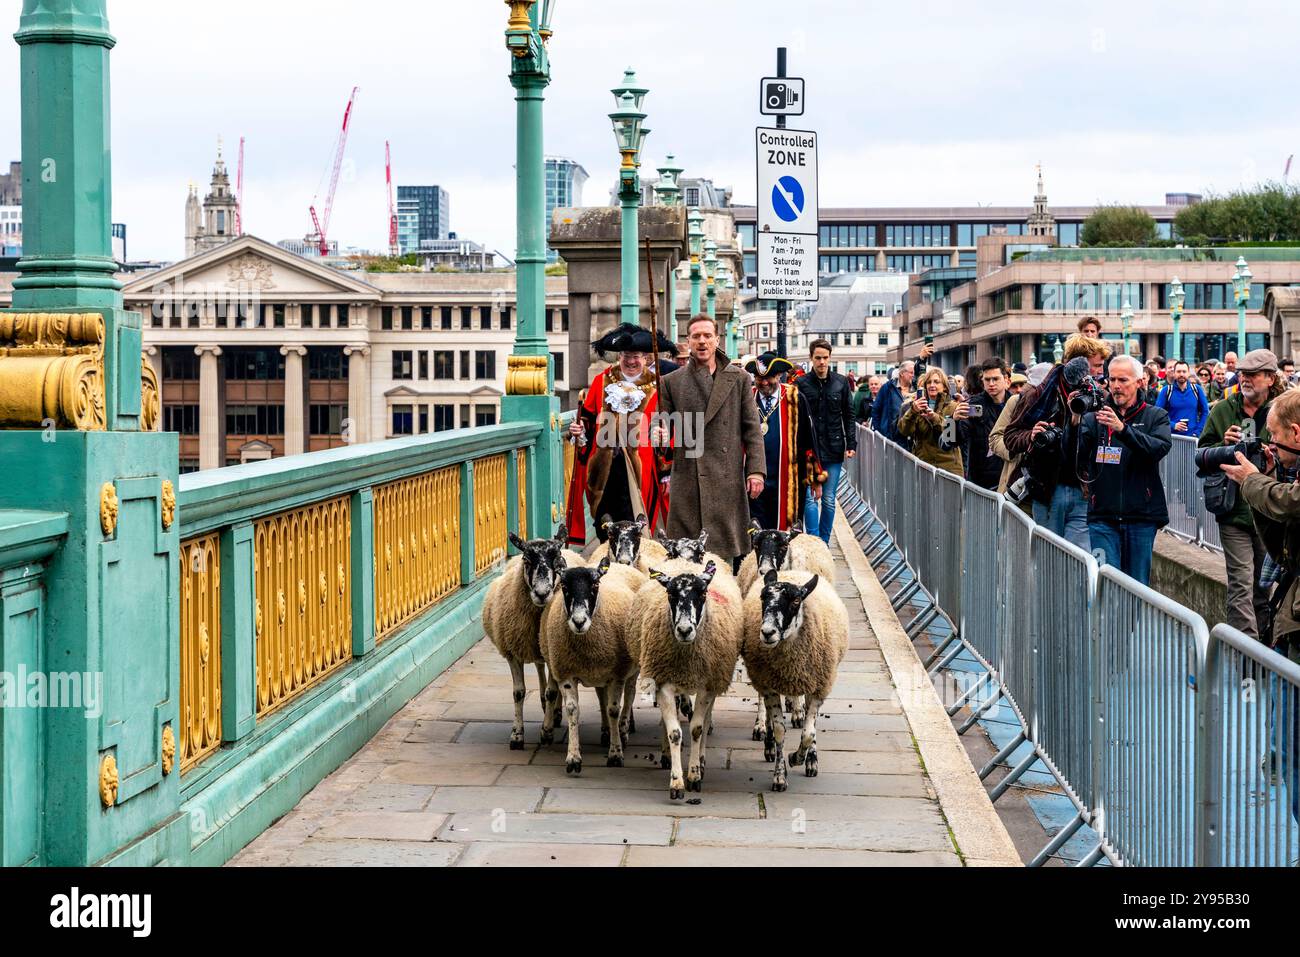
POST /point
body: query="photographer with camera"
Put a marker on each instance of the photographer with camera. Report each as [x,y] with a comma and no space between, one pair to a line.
[1044,433]
[1241,415]
[1120,448]
[931,421]
[1275,509]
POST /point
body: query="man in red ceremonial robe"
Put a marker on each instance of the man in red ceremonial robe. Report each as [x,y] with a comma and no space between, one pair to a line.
[789,442]
[617,474]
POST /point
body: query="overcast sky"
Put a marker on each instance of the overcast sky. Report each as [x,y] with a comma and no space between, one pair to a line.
[916,102]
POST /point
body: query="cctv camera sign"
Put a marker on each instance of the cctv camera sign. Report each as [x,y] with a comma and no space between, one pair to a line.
[780,96]
[787,214]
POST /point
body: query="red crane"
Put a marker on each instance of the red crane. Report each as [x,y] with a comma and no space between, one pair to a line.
[239,192]
[393,248]
[321,223]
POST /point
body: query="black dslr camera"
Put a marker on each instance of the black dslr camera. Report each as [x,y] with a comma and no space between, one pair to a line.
[1209,460]
[1089,397]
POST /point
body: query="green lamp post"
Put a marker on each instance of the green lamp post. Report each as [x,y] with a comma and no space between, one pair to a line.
[696,233]
[1126,317]
[1241,289]
[630,132]
[1058,351]
[530,376]
[669,193]
[1176,299]
[710,275]
[733,340]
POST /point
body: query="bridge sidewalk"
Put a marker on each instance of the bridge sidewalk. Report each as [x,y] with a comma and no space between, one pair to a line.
[438,786]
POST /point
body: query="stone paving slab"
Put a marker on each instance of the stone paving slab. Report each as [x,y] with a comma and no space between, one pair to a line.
[439,786]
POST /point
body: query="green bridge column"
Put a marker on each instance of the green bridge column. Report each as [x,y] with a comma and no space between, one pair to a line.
[530,379]
[110,754]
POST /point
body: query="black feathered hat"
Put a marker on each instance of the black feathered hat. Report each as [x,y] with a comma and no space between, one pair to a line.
[626,337]
[769,363]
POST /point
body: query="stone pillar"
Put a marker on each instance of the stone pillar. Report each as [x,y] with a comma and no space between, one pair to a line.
[295,417]
[358,430]
[211,454]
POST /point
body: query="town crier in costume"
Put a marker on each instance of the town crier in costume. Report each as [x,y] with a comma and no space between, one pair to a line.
[616,472]
[789,442]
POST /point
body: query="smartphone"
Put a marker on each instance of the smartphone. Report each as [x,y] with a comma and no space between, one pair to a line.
[975,412]
[929,340]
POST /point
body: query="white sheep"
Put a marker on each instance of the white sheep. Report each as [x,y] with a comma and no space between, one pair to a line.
[626,544]
[692,550]
[774,550]
[512,614]
[584,638]
[689,640]
[796,635]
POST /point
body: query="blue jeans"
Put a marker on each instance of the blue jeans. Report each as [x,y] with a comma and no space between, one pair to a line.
[818,521]
[1127,546]
[1067,516]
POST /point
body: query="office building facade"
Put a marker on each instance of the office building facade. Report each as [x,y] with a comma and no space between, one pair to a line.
[564,181]
[423,215]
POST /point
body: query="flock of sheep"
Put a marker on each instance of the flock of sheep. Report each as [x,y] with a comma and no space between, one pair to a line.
[671,612]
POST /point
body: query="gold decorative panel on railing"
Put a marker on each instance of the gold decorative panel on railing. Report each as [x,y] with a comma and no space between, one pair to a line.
[570,450]
[522,469]
[489,511]
[417,546]
[200,648]
[303,615]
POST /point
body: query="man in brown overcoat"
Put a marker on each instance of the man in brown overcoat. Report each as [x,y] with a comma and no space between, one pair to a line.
[718,459]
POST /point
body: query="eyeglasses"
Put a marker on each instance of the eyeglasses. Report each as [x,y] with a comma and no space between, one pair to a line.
[1203,375]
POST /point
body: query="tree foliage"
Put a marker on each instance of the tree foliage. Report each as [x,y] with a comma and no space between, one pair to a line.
[1118,226]
[1268,213]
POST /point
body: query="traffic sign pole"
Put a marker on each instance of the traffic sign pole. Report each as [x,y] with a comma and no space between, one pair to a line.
[781,323]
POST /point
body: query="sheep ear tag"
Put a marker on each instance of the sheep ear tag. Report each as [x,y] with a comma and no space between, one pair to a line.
[603,567]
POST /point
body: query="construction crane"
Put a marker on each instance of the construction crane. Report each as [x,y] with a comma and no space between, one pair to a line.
[393,248]
[321,222]
[239,192]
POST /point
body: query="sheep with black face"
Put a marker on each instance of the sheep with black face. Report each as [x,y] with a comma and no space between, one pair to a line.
[775,550]
[688,642]
[691,550]
[796,635]
[626,544]
[512,615]
[584,639]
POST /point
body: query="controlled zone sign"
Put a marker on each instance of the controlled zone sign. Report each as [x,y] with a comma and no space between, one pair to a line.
[787,214]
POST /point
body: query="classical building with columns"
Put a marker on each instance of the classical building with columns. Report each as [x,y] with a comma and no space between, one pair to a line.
[262,353]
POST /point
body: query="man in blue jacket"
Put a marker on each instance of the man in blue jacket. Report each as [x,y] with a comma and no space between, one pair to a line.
[888,404]
[1185,402]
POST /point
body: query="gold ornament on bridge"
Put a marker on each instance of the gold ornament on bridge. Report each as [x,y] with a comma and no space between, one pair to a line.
[526,375]
[302,597]
[343,580]
[108,509]
[257,618]
[150,398]
[53,373]
[108,780]
[168,749]
[168,504]
[205,646]
[324,588]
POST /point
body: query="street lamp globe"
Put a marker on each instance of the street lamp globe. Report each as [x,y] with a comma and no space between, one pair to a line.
[710,259]
[628,123]
[1176,297]
[632,87]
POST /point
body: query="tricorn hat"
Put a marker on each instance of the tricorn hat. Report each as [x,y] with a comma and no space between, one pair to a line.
[625,337]
[769,363]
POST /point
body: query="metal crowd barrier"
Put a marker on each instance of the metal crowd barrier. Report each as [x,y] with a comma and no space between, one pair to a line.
[1250,756]
[1176,745]
[1188,517]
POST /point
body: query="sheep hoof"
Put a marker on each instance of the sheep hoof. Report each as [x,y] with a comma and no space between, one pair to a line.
[516,744]
[796,720]
[676,791]
[573,766]
[614,761]
[769,754]
[665,762]
[758,734]
[548,737]
[695,782]
[796,758]
[778,784]
[810,766]
[604,736]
